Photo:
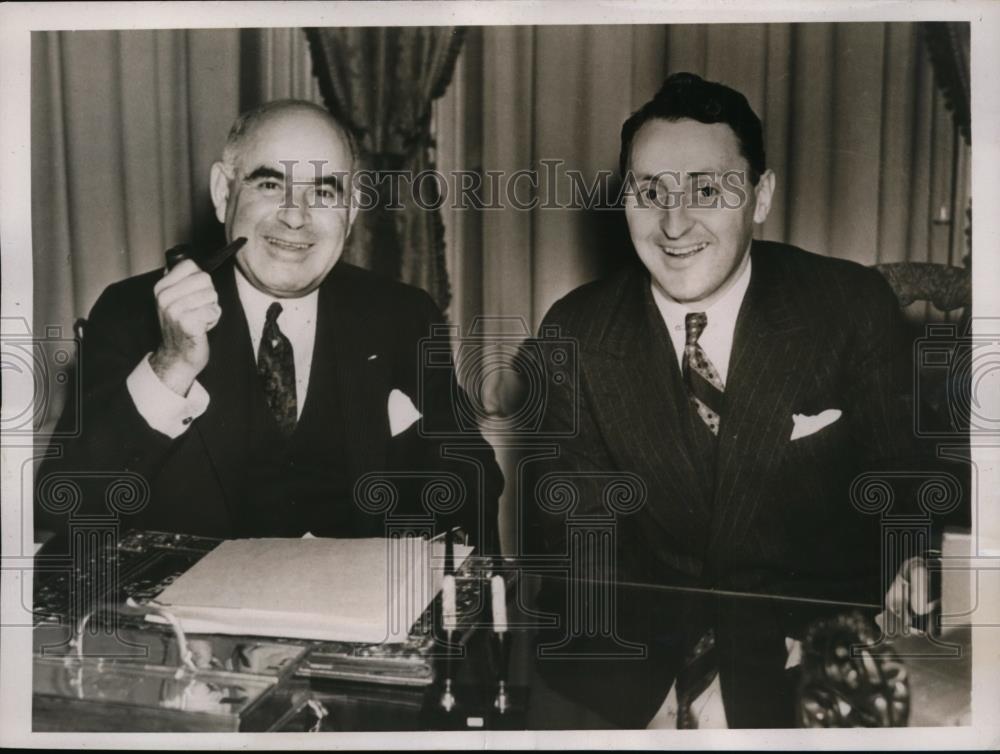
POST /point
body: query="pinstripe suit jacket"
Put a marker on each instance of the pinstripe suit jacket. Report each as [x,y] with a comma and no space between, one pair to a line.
[773,515]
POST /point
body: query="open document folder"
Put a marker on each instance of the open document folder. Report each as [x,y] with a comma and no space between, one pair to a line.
[356,590]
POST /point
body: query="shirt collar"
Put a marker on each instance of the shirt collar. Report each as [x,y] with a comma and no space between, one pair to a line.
[255,303]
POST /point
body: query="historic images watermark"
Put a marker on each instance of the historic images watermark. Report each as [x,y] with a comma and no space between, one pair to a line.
[551,186]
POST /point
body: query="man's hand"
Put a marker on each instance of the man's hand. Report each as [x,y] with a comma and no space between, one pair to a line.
[908,596]
[188,307]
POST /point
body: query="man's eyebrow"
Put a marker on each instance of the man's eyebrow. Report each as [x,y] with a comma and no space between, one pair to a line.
[676,175]
[264,172]
[334,180]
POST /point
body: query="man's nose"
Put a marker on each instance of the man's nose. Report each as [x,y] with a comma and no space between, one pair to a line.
[294,210]
[676,220]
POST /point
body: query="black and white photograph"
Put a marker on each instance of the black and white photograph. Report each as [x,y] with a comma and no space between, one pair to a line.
[500,374]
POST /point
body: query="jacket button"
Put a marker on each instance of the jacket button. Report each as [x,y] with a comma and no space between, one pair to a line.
[187,420]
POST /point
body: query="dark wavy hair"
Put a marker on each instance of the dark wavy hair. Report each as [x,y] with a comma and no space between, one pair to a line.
[685,95]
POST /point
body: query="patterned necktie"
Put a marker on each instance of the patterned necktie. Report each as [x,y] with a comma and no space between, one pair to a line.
[276,369]
[705,389]
[704,384]
[698,669]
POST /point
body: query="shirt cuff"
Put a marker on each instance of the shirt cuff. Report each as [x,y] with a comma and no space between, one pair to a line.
[161,407]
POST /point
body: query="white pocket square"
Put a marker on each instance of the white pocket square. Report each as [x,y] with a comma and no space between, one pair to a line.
[804,425]
[402,413]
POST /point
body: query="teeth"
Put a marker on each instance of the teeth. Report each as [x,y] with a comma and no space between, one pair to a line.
[287,244]
[685,251]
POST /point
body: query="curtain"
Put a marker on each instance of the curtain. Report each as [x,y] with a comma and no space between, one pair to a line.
[870,165]
[382,82]
[948,45]
[124,128]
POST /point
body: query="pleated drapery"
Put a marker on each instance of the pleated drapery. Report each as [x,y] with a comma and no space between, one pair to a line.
[870,165]
[120,154]
[382,82]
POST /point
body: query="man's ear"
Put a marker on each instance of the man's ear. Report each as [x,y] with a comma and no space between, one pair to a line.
[352,211]
[764,191]
[219,187]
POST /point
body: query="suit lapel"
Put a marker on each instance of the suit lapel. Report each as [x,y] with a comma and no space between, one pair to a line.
[771,351]
[225,427]
[638,394]
[341,363]
[347,359]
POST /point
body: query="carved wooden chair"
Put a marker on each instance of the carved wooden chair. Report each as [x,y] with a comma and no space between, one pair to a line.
[947,288]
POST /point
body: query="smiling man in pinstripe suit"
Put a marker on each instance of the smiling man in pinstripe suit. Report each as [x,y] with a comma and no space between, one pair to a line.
[747,384]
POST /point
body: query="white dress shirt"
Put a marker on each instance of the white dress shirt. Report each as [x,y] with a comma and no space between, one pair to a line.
[172,414]
[716,339]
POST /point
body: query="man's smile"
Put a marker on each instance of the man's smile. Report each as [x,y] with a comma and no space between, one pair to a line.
[683,252]
[284,245]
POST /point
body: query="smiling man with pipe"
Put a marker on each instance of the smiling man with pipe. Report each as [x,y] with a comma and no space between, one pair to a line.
[253,398]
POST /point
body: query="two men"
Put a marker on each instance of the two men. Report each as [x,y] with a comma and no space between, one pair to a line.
[259,399]
[747,384]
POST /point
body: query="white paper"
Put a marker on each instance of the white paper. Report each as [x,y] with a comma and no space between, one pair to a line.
[357,590]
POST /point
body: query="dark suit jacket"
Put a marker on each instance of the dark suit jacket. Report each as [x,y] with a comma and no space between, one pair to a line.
[368,337]
[775,515]
[814,333]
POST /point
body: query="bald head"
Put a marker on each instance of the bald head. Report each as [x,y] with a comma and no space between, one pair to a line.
[289,111]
